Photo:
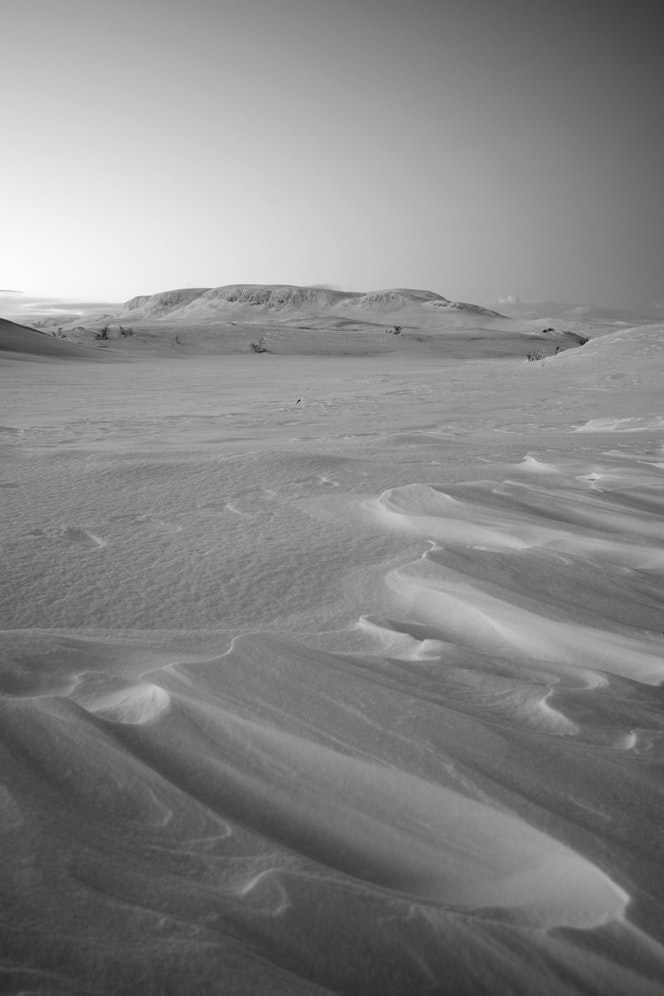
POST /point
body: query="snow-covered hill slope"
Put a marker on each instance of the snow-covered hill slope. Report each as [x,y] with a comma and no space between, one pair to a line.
[289,302]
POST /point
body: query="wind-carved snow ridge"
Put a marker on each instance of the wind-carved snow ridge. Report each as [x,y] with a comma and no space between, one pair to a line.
[121,701]
[640,423]
[536,522]
[486,604]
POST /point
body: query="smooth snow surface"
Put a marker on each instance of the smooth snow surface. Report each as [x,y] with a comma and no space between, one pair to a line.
[332,674]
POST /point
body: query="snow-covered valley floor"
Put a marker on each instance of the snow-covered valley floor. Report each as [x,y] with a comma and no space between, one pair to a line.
[333,674]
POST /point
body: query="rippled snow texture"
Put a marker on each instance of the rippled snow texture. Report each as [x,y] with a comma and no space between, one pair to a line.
[361,695]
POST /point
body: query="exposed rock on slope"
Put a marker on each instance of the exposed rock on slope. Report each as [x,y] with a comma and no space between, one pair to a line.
[165,301]
[274,296]
[210,303]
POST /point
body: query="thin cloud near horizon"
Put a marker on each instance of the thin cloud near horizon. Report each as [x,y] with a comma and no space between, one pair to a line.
[376,144]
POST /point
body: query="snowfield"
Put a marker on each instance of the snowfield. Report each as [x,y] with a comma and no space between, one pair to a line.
[336,668]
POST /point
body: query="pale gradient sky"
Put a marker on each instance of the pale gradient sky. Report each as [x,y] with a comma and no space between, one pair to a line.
[477,148]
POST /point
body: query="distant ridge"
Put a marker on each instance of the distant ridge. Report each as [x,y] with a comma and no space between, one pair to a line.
[165,300]
[209,302]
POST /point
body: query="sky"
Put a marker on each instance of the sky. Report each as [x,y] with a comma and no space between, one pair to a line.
[482,149]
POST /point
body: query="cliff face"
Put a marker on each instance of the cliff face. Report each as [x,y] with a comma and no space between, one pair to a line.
[165,301]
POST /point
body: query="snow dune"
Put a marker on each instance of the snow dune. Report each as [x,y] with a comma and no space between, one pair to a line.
[357,815]
[484,622]
[530,518]
[333,676]
[29,343]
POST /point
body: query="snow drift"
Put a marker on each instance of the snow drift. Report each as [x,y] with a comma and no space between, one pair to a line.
[338,677]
